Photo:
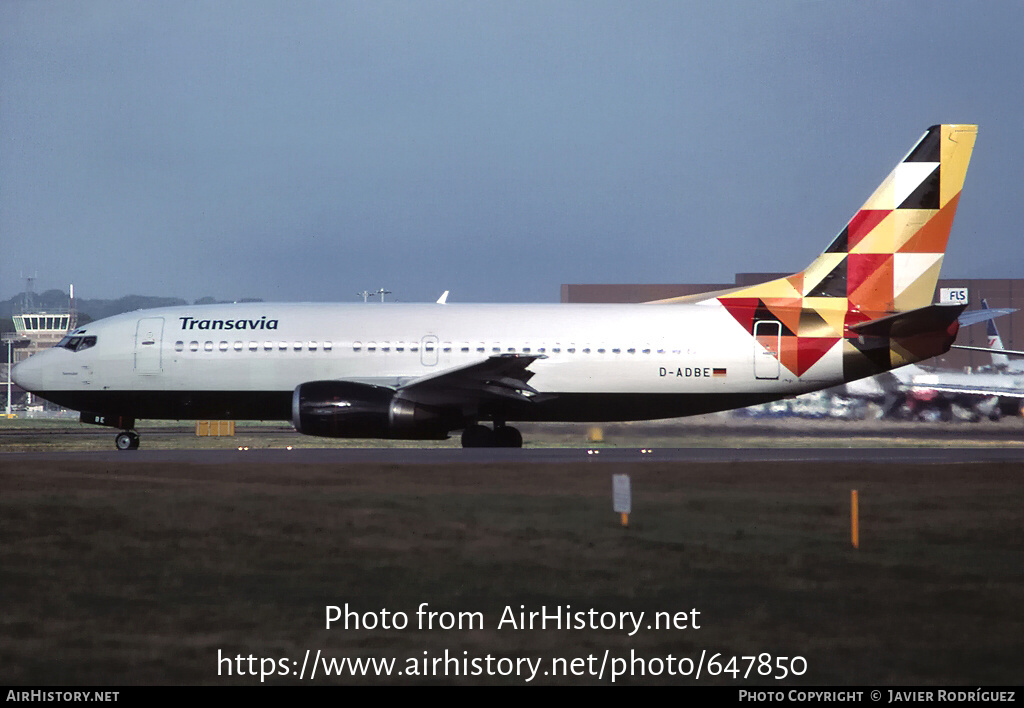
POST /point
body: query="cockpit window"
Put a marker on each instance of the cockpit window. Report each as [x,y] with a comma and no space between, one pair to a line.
[77,343]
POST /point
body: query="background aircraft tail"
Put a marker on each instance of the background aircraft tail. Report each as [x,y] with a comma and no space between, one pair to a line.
[1000,361]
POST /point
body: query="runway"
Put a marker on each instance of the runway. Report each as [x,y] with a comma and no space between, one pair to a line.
[488,456]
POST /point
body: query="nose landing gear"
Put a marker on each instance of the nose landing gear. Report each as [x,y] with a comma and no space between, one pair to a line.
[127,440]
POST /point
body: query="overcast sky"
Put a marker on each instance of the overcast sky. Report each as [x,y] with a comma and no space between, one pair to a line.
[309,150]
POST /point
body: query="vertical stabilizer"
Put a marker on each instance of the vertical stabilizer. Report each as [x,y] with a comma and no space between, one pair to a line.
[885,261]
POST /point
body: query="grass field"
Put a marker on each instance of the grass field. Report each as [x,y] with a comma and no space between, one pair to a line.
[141,573]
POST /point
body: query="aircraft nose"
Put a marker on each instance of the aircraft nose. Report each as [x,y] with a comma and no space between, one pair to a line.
[29,373]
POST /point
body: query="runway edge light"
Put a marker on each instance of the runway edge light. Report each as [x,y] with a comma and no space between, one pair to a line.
[622,497]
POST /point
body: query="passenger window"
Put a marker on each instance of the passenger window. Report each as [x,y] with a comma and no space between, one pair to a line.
[371,346]
[465,349]
[179,346]
[238,346]
[357,346]
[193,346]
[297,346]
[616,351]
[311,346]
[223,346]
[282,346]
[327,346]
[268,346]
[631,351]
[208,346]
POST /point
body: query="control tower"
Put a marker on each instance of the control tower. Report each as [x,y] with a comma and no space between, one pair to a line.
[34,330]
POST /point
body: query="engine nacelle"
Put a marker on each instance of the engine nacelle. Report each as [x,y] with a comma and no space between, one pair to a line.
[345,409]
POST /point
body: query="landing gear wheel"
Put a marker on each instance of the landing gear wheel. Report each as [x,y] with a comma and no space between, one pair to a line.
[127,440]
[507,436]
[478,436]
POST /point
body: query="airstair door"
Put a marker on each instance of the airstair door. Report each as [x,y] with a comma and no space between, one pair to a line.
[149,336]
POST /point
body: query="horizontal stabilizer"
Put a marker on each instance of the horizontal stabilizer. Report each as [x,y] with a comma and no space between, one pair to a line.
[932,318]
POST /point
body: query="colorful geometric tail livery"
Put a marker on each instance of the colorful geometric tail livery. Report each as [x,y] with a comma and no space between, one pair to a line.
[885,262]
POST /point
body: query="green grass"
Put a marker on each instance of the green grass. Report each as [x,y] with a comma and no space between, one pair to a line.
[141,573]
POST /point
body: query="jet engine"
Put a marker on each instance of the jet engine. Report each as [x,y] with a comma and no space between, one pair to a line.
[345,409]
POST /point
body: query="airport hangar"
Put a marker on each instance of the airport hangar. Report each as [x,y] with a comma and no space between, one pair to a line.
[998,292]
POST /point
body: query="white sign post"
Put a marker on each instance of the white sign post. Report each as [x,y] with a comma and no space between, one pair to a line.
[622,497]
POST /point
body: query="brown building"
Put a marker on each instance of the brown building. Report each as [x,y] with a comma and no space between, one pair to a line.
[997,292]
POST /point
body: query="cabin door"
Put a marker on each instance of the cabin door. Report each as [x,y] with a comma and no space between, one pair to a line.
[767,345]
[149,336]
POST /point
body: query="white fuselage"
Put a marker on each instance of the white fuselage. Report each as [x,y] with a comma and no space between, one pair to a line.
[637,351]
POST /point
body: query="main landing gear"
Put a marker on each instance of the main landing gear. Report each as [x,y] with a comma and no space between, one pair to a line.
[127,440]
[477,435]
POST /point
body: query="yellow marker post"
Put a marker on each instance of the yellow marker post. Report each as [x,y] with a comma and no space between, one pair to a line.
[854,519]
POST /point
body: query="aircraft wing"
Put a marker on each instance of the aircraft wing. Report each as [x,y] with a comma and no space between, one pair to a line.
[502,377]
[984,315]
[968,389]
